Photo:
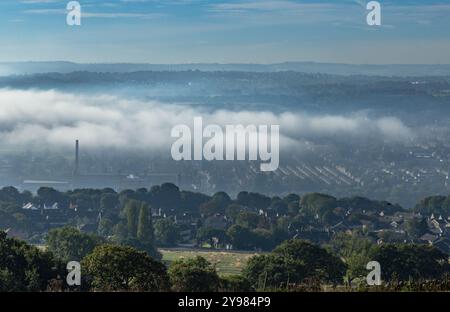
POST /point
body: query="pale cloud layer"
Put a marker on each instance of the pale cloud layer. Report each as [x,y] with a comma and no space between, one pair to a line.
[54,119]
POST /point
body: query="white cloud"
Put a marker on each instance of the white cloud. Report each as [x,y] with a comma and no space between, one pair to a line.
[55,119]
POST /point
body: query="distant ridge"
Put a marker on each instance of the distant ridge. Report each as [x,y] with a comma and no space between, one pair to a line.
[11,68]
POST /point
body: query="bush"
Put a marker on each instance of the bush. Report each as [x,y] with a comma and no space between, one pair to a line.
[193,275]
[123,268]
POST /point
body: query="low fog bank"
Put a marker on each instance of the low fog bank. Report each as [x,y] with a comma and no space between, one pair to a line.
[52,119]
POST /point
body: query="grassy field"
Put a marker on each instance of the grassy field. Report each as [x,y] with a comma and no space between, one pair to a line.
[226,262]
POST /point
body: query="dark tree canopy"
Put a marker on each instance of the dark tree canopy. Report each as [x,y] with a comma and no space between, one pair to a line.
[123,268]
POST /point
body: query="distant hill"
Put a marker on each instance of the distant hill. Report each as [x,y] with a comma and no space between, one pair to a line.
[9,68]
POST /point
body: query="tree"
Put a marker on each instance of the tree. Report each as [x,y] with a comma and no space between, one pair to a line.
[193,275]
[294,261]
[123,268]
[138,234]
[69,244]
[24,267]
[145,225]
[356,251]
[272,271]
[120,232]
[105,227]
[279,206]
[10,194]
[263,239]
[166,232]
[208,234]
[233,210]
[49,196]
[253,200]
[410,261]
[320,205]
[416,227]
[241,237]
[235,283]
[131,209]
[191,201]
[218,204]
[167,196]
[22,221]
[108,202]
[248,219]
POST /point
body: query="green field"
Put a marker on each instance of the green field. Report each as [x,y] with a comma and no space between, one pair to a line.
[226,262]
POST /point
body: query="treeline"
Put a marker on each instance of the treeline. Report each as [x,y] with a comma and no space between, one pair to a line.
[294,265]
[437,205]
[249,221]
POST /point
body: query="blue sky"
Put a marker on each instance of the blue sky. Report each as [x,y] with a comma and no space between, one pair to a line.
[244,31]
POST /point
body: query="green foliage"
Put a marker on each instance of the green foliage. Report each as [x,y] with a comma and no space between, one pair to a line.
[144,246]
[416,227]
[272,271]
[409,261]
[166,232]
[123,268]
[69,244]
[132,208]
[280,207]
[233,210]
[356,251]
[248,219]
[240,237]
[207,234]
[109,201]
[105,227]
[294,261]
[438,205]
[253,200]
[244,238]
[49,196]
[218,204]
[166,196]
[193,275]
[235,283]
[23,267]
[138,231]
[319,205]
[145,225]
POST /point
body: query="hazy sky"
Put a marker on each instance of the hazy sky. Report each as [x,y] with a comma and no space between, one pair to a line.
[257,31]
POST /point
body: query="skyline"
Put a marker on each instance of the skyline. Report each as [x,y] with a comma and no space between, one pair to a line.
[237,31]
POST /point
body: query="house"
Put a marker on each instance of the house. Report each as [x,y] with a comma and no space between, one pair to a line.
[394,224]
[435,226]
[54,206]
[30,206]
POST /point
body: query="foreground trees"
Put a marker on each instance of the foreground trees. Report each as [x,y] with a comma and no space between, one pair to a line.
[294,262]
[411,262]
[137,228]
[123,268]
[193,275]
[69,244]
[24,267]
[356,251]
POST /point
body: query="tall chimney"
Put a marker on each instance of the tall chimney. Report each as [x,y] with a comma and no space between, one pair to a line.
[77,157]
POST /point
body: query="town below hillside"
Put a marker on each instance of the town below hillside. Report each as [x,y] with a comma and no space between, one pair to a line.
[167,239]
[251,221]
